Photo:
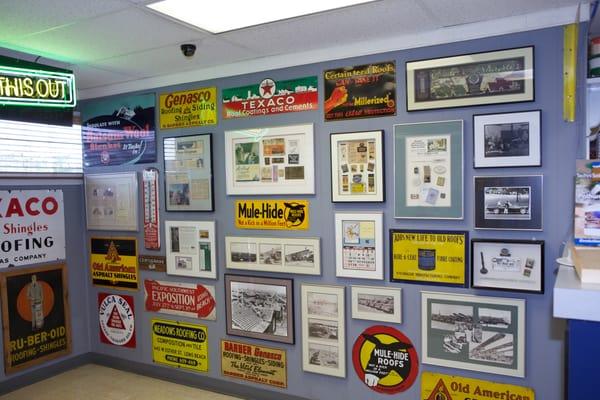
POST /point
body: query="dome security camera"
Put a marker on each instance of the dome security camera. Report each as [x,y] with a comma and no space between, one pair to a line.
[188,49]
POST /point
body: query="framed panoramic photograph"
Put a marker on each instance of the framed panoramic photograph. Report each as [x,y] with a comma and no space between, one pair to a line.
[508,202]
[323,330]
[432,257]
[357,167]
[359,245]
[188,173]
[274,254]
[507,140]
[377,303]
[275,160]
[484,334]
[428,170]
[260,308]
[516,265]
[111,201]
[191,248]
[504,76]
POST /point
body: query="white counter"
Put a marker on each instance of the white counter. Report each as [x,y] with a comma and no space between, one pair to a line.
[573,299]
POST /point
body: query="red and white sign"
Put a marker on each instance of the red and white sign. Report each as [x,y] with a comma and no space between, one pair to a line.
[32,226]
[183,299]
[151,229]
[117,319]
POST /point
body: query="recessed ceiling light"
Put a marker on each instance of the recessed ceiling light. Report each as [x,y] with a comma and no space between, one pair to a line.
[222,16]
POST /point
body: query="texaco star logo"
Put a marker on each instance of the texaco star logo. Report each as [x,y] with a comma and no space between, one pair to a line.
[267,88]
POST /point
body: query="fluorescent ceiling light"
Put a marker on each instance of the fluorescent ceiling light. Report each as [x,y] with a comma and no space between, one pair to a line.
[219,16]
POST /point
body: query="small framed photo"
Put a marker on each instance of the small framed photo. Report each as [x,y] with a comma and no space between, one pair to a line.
[507,140]
[513,203]
[516,265]
[359,245]
[323,330]
[357,167]
[111,201]
[191,248]
[377,303]
[260,308]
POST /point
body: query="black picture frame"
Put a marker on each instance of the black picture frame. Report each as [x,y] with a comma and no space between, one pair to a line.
[254,325]
[509,202]
[506,266]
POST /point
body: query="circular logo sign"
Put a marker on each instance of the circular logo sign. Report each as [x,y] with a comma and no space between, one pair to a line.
[385,360]
[117,322]
[267,88]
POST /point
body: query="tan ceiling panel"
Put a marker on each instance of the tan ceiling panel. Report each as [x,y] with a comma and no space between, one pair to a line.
[88,77]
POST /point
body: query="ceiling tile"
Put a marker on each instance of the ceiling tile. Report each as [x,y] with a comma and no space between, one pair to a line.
[88,77]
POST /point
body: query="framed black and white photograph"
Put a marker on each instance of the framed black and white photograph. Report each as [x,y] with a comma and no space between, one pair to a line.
[512,202]
[260,308]
[191,248]
[359,245]
[507,140]
[516,265]
[377,303]
[323,330]
[357,167]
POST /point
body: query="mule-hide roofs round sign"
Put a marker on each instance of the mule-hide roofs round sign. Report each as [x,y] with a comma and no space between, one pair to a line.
[385,360]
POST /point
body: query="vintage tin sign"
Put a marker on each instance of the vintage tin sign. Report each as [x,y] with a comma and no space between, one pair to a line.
[448,387]
[271,214]
[188,108]
[113,262]
[180,345]
[183,299]
[117,319]
[254,363]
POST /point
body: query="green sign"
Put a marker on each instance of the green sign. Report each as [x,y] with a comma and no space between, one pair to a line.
[36,87]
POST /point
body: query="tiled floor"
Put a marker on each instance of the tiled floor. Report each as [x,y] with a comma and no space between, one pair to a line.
[93,382]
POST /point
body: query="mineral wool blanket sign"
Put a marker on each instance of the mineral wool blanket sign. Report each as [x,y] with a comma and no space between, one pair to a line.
[448,387]
[188,108]
[271,97]
[271,214]
[32,226]
[253,363]
[114,262]
[180,345]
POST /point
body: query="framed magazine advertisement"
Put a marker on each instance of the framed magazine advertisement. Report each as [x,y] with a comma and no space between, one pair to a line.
[357,167]
[275,160]
[111,201]
[191,248]
[359,245]
[188,173]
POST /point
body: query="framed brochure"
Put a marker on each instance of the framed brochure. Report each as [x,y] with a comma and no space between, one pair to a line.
[191,248]
[357,167]
[359,245]
[275,160]
[111,201]
[188,173]
[428,170]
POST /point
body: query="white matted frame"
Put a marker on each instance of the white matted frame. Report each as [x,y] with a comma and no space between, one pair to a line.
[274,160]
[191,248]
[323,329]
[357,167]
[377,303]
[273,254]
[111,201]
[359,245]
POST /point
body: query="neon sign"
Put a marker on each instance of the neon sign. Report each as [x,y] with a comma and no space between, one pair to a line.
[31,87]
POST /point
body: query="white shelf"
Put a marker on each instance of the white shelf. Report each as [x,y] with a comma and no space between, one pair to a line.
[573,299]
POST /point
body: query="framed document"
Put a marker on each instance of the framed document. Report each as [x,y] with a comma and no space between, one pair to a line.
[357,167]
[276,160]
[111,201]
[428,168]
[191,248]
[188,173]
[377,303]
[359,245]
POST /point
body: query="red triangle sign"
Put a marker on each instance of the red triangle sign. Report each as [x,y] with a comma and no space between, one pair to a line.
[440,392]
[115,321]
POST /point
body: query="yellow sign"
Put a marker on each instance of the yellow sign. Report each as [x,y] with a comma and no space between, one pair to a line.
[188,108]
[447,387]
[179,344]
[271,214]
[429,256]
[253,363]
[114,262]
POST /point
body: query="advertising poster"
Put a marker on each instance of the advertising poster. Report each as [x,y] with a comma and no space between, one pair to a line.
[35,315]
[117,319]
[150,262]
[358,245]
[360,91]
[385,360]
[119,131]
[180,345]
[272,214]
[114,262]
[271,97]
[429,256]
[253,363]
[188,108]
[182,299]
[448,387]
[587,203]
[32,226]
